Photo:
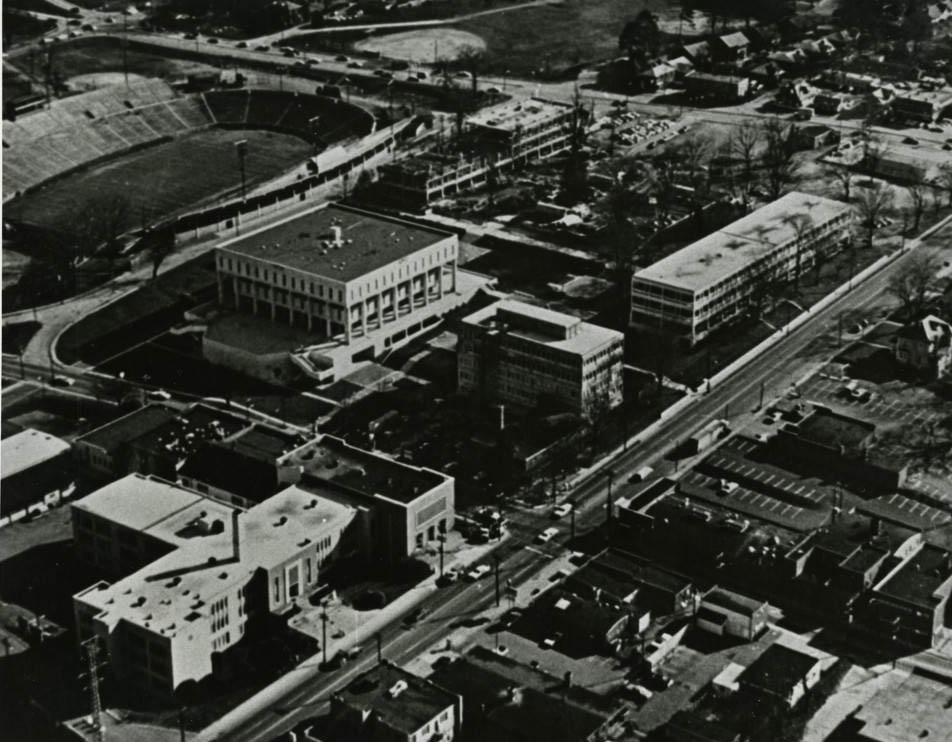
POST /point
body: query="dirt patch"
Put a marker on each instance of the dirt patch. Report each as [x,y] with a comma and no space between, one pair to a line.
[94,80]
[423,45]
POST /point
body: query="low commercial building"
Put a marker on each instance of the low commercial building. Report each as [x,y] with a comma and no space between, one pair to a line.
[34,465]
[907,607]
[708,86]
[403,508]
[922,106]
[495,140]
[506,700]
[388,703]
[579,625]
[223,569]
[906,163]
[724,612]
[926,346]
[714,281]
[154,439]
[330,288]
[782,674]
[520,354]
[690,726]
[839,446]
[837,562]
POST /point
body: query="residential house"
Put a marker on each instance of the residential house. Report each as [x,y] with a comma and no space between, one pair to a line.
[926,345]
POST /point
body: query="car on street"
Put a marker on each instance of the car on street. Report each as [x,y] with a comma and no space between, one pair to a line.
[262,48]
[415,616]
[550,641]
[547,535]
[641,475]
[910,140]
[478,572]
[562,510]
[448,577]
[62,381]
[158,395]
[241,45]
[342,58]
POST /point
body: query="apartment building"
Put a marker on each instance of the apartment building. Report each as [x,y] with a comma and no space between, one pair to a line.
[333,286]
[714,281]
[222,568]
[496,139]
[519,354]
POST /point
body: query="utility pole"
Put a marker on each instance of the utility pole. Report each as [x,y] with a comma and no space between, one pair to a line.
[763,385]
[572,513]
[324,635]
[379,648]
[93,666]
[496,562]
[442,542]
[181,724]
[608,500]
[241,149]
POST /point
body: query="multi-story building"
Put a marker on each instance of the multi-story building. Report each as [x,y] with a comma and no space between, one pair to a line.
[922,106]
[34,464]
[908,605]
[519,354]
[334,286]
[496,139]
[221,569]
[714,281]
[388,704]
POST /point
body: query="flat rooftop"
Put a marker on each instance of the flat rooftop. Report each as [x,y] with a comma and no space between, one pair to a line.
[916,707]
[417,704]
[733,601]
[180,587]
[163,510]
[831,429]
[129,427]
[27,449]
[778,669]
[525,114]
[304,242]
[335,463]
[920,578]
[554,330]
[731,249]
[941,98]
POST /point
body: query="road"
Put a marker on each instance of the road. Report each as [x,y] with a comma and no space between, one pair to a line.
[801,352]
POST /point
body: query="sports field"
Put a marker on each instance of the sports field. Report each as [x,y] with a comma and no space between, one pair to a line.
[165,178]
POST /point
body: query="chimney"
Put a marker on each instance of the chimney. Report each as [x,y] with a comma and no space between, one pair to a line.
[568,678]
[236,535]
[336,232]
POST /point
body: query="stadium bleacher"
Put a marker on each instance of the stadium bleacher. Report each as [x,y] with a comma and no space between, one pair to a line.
[103,122]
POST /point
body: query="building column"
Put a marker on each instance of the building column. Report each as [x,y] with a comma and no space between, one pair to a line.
[439,283]
[425,278]
[453,287]
[234,288]
[363,317]
[254,300]
[221,289]
[290,311]
[274,308]
[346,313]
[327,320]
[310,314]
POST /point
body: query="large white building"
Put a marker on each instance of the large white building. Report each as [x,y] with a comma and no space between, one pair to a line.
[714,281]
[519,354]
[331,287]
[209,569]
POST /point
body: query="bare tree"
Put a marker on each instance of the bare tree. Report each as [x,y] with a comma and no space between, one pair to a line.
[777,159]
[662,188]
[871,206]
[917,194]
[743,144]
[843,177]
[801,224]
[912,284]
[944,180]
[693,151]
[473,61]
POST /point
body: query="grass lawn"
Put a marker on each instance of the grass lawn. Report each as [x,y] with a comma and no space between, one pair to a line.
[165,178]
[18,334]
[547,40]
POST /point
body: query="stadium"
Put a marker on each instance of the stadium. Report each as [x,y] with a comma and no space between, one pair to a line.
[163,152]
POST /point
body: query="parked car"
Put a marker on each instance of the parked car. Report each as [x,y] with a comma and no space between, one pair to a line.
[642,474]
[241,45]
[562,510]
[478,572]
[262,48]
[342,58]
[62,381]
[158,395]
[550,641]
[547,535]
[725,487]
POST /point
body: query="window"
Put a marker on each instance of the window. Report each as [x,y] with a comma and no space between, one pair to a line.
[277,590]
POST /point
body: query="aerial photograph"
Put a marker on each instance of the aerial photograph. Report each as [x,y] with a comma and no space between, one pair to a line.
[476,371]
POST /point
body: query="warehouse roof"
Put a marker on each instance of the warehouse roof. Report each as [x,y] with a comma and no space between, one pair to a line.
[27,449]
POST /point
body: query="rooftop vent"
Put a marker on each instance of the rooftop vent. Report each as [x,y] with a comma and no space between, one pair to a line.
[281,521]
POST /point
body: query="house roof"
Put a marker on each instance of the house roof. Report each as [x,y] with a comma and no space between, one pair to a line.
[778,670]
[734,40]
[733,601]
[930,329]
[689,726]
[129,427]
